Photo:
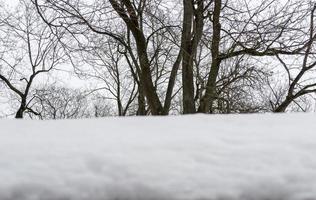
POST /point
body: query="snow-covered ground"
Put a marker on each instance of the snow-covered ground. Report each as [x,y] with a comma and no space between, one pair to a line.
[199,157]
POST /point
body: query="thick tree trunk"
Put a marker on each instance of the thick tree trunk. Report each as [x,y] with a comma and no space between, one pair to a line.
[210,93]
[191,36]
[187,62]
[146,78]
[19,114]
[141,102]
[207,101]
[187,81]
[283,106]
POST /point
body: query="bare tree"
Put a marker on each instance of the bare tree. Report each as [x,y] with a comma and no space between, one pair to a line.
[267,28]
[107,67]
[300,79]
[53,102]
[138,33]
[28,50]
[155,41]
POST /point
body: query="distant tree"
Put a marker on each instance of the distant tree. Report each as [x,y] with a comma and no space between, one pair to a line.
[238,85]
[55,102]
[105,64]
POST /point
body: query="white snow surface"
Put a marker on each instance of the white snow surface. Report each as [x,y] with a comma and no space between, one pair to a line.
[194,157]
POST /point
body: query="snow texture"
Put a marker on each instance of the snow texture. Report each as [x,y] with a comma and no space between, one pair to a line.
[197,157]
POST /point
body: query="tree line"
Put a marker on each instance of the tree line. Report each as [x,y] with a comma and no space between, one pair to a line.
[158,57]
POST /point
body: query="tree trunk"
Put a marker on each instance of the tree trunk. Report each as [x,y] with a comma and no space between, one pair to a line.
[128,14]
[141,102]
[210,93]
[171,83]
[283,106]
[146,78]
[191,36]
[20,112]
[187,81]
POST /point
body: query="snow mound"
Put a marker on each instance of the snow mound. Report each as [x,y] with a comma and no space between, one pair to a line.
[197,157]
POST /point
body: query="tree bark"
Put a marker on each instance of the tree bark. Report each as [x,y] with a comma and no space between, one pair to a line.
[20,113]
[191,37]
[141,111]
[283,106]
[210,93]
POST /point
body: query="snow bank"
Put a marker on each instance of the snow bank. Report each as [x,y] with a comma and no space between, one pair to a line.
[232,157]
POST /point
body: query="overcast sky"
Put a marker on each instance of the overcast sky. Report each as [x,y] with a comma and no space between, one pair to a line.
[11,2]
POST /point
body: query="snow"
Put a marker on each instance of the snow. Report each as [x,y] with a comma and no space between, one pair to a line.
[194,157]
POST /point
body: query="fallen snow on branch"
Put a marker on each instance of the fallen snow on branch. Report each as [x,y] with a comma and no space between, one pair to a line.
[197,157]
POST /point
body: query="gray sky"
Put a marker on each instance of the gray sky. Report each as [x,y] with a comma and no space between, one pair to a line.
[11,2]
